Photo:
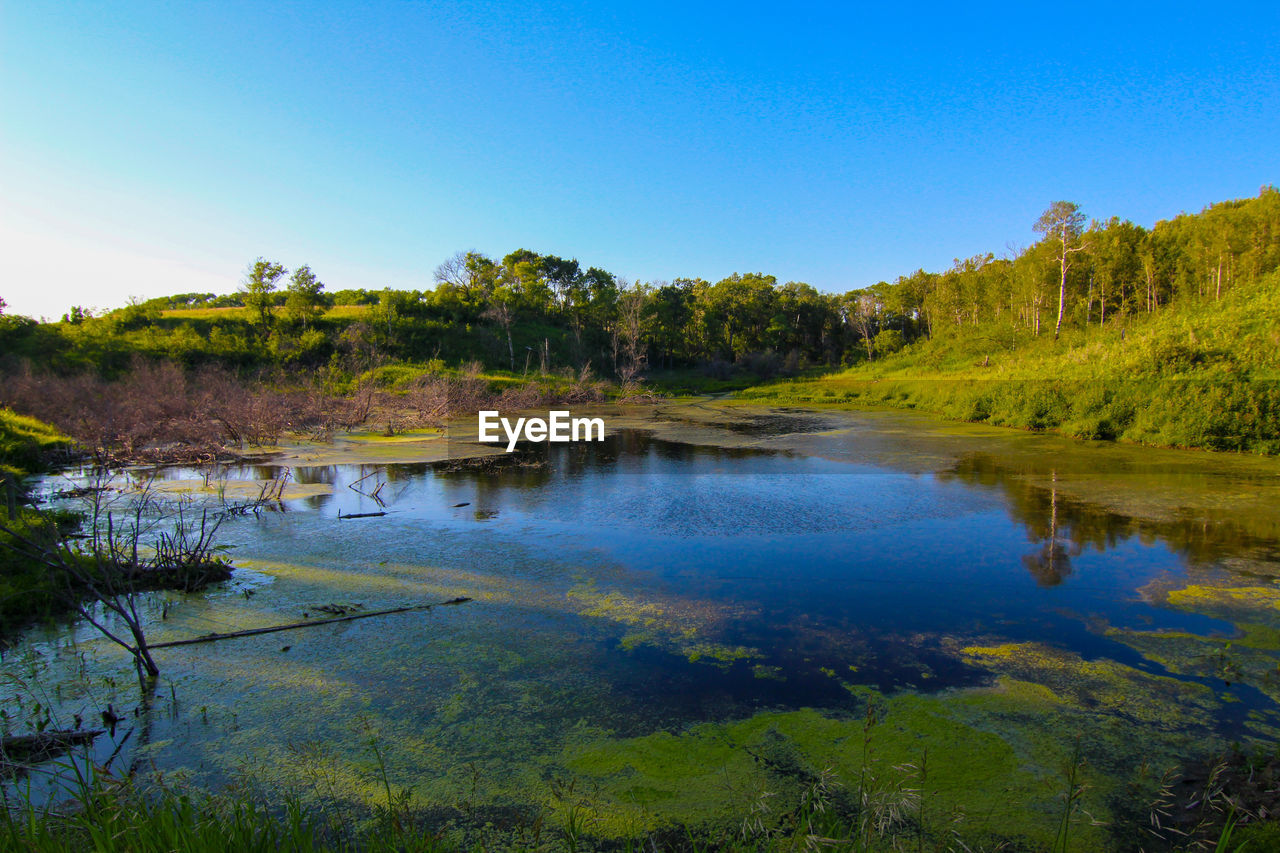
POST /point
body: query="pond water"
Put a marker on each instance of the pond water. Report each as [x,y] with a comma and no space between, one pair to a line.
[706,584]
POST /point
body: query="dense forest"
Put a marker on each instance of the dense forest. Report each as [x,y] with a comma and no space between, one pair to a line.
[530,311]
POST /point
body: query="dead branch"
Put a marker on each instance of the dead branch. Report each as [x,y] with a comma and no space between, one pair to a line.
[17,752]
[209,638]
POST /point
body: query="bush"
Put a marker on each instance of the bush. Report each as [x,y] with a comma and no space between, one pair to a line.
[888,342]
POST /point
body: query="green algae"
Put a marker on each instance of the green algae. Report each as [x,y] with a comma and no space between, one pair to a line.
[718,653]
[678,625]
[1250,656]
[1252,659]
[408,436]
[768,673]
[1104,686]
[911,752]
[241,489]
[371,448]
[1230,600]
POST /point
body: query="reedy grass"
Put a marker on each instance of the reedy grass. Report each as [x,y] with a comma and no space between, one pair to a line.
[107,814]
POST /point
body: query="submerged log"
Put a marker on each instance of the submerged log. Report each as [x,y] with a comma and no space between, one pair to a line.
[25,749]
[361,514]
[209,638]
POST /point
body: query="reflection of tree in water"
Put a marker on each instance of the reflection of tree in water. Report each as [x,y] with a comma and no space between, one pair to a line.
[534,466]
[1051,563]
[1064,527]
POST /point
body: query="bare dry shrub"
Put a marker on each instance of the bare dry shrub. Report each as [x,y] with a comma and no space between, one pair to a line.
[525,396]
[431,399]
[585,388]
[158,412]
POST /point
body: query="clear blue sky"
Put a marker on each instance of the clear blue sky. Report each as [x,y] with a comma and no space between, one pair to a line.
[149,148]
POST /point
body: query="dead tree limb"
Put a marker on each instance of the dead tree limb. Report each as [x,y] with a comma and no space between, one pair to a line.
[249,632]
[17,751]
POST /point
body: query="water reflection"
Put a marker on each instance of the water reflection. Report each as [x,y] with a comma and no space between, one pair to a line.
[1064,526]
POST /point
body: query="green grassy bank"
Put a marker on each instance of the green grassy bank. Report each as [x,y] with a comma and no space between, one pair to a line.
[27,591]
[1198,375]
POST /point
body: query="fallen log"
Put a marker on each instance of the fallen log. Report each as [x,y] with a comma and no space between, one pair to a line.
[249,632]
[361,514]
[22,749]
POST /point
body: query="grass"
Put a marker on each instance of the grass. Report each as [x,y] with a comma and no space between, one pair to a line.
[337,312]
[236,313]
[111,816]
[1204,375]
[402,376]
[693,382]
[346,312]
[25,443]
[26,590]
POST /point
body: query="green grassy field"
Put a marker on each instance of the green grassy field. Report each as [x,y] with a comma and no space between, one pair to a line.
[337,312]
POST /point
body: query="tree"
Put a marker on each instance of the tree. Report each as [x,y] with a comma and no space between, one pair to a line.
[501,310]
[1062,223]
[864,312]
[453,271]
[673,332]
[743,305]
[598,293]
[799,321]
[1117,264]
[259,284]
[632,304]
[522,273]
[304,302]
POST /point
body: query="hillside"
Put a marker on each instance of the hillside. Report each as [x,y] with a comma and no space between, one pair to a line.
[1196,374]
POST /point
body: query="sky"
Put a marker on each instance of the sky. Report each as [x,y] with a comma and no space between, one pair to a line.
[148,149]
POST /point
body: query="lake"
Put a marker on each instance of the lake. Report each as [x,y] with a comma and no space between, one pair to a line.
[715,604]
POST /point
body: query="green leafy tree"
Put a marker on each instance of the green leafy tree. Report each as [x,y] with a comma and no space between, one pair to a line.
[743,306]
[599,292]
[1117,265]
[259,288]
[672,331]
[1062,225]
[502,310]
[863,310]
[76,315]
[800,320]
[305,302]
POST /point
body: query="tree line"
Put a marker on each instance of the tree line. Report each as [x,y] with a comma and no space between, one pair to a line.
[530,311]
